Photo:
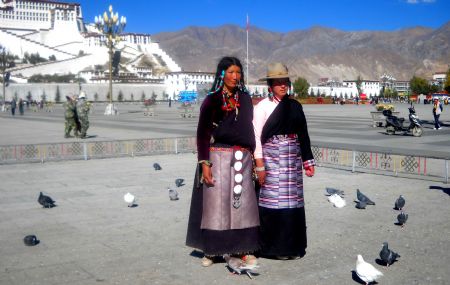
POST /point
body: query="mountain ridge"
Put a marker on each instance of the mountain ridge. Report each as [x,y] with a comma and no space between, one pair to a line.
[315,52]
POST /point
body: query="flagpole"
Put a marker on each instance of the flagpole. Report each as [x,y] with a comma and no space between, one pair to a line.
[247,76]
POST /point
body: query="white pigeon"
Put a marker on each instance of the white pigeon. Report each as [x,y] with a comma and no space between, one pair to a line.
[336,200]
[130,199]
[366,271]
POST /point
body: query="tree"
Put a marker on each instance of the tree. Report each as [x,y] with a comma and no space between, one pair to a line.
[301,86]
[359,82]
[447,81]
[419,85]
[132,97]
[29,96]
[143,96]
[96,97]
[120,96]
[154,95]
[57,95]
[43,96]
[108,96]
[52,57]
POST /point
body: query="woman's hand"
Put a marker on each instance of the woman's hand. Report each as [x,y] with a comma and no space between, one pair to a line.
[309,171]
[207,175]
[261,177]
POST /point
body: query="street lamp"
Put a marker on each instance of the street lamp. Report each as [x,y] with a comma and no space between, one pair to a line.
[111,27]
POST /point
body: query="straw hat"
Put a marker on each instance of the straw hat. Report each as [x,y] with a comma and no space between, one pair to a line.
[276,70]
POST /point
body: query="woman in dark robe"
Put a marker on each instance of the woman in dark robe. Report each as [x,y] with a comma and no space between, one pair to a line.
[282,151]
[224,216]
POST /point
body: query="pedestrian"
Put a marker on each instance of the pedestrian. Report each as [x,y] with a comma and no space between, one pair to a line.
[282,151]
[83,107]
[13,106]
[70,117]
[437,110]
[223,217]
[21,106]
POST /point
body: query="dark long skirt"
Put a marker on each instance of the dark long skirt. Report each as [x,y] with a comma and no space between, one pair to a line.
[212,242]
[283,231]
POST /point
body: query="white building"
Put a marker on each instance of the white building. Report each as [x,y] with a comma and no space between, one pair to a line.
[57,29]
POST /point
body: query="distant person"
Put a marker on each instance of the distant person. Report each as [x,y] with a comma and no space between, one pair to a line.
[170,102]
[223,217]
[21,106]
[283,152]
[13,106]
[70,117]
[437,110]
[83,107]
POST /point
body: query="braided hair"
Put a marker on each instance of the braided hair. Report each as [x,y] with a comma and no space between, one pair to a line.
[223,65]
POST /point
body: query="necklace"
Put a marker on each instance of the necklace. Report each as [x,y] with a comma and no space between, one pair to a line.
[230,102]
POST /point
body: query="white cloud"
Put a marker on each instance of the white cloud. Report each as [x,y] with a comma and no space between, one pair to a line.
[419,1]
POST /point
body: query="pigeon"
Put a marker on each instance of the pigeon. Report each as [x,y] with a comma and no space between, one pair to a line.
[156,166]
[360,205]
[387,255]
[337,201]
[46,201]
[331,191]
[363,198]
[402,218]
[238,266]
[366,271]
[173,194]
[400,203]
[130,199]
[179,182]
[30,240]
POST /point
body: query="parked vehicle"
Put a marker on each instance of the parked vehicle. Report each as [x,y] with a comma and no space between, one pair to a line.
[395,124]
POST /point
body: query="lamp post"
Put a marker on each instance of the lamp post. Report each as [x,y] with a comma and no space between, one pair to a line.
[111,27]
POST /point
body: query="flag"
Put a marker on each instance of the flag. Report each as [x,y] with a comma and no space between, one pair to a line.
[248,24]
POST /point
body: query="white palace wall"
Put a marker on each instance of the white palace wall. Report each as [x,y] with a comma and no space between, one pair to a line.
[68,89]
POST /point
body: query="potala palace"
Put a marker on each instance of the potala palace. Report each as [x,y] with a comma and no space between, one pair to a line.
[57,30]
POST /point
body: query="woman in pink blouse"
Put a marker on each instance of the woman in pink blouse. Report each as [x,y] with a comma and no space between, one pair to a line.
[282,151]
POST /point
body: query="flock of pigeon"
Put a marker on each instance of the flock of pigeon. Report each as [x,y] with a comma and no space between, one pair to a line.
[364,270]
[130,199]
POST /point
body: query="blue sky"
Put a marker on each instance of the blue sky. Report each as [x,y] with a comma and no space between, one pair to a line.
[155,16]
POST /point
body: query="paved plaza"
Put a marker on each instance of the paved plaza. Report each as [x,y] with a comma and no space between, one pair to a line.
[337,126]
[92,237]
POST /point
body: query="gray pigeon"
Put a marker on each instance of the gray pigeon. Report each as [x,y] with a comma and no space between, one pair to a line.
[30,240]
[179,182]
[331,191]
[238,266]
[46,201]
[156,166]
[363,198]
[387,255]
[402,218]
[400,203]
[173,194]
[360,205]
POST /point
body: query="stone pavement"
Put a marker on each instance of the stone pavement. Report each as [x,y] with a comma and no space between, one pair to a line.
[92,237]
[333,126]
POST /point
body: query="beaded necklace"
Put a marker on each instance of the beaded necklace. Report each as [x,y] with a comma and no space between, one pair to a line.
[230,102]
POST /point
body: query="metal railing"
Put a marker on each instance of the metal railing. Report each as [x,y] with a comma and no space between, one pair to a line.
[353,160]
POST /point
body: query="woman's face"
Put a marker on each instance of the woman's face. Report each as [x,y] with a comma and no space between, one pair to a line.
[280,87]
[232,77]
